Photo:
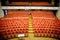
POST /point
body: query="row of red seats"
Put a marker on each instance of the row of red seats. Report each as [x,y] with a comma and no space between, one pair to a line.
[34,13]
[16,14]
[32,3]
[47,14]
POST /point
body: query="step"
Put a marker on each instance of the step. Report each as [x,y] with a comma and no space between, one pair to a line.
[31,31]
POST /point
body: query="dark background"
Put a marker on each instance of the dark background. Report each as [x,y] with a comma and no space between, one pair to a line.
[4,1]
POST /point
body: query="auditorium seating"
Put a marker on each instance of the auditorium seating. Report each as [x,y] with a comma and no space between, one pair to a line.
[31,3]
[19,3]
[45,24]
[42,14]
[13,24]
[41,3]
[17,14]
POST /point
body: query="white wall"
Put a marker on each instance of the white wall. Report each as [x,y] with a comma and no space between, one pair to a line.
[1,12]
[58,14]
